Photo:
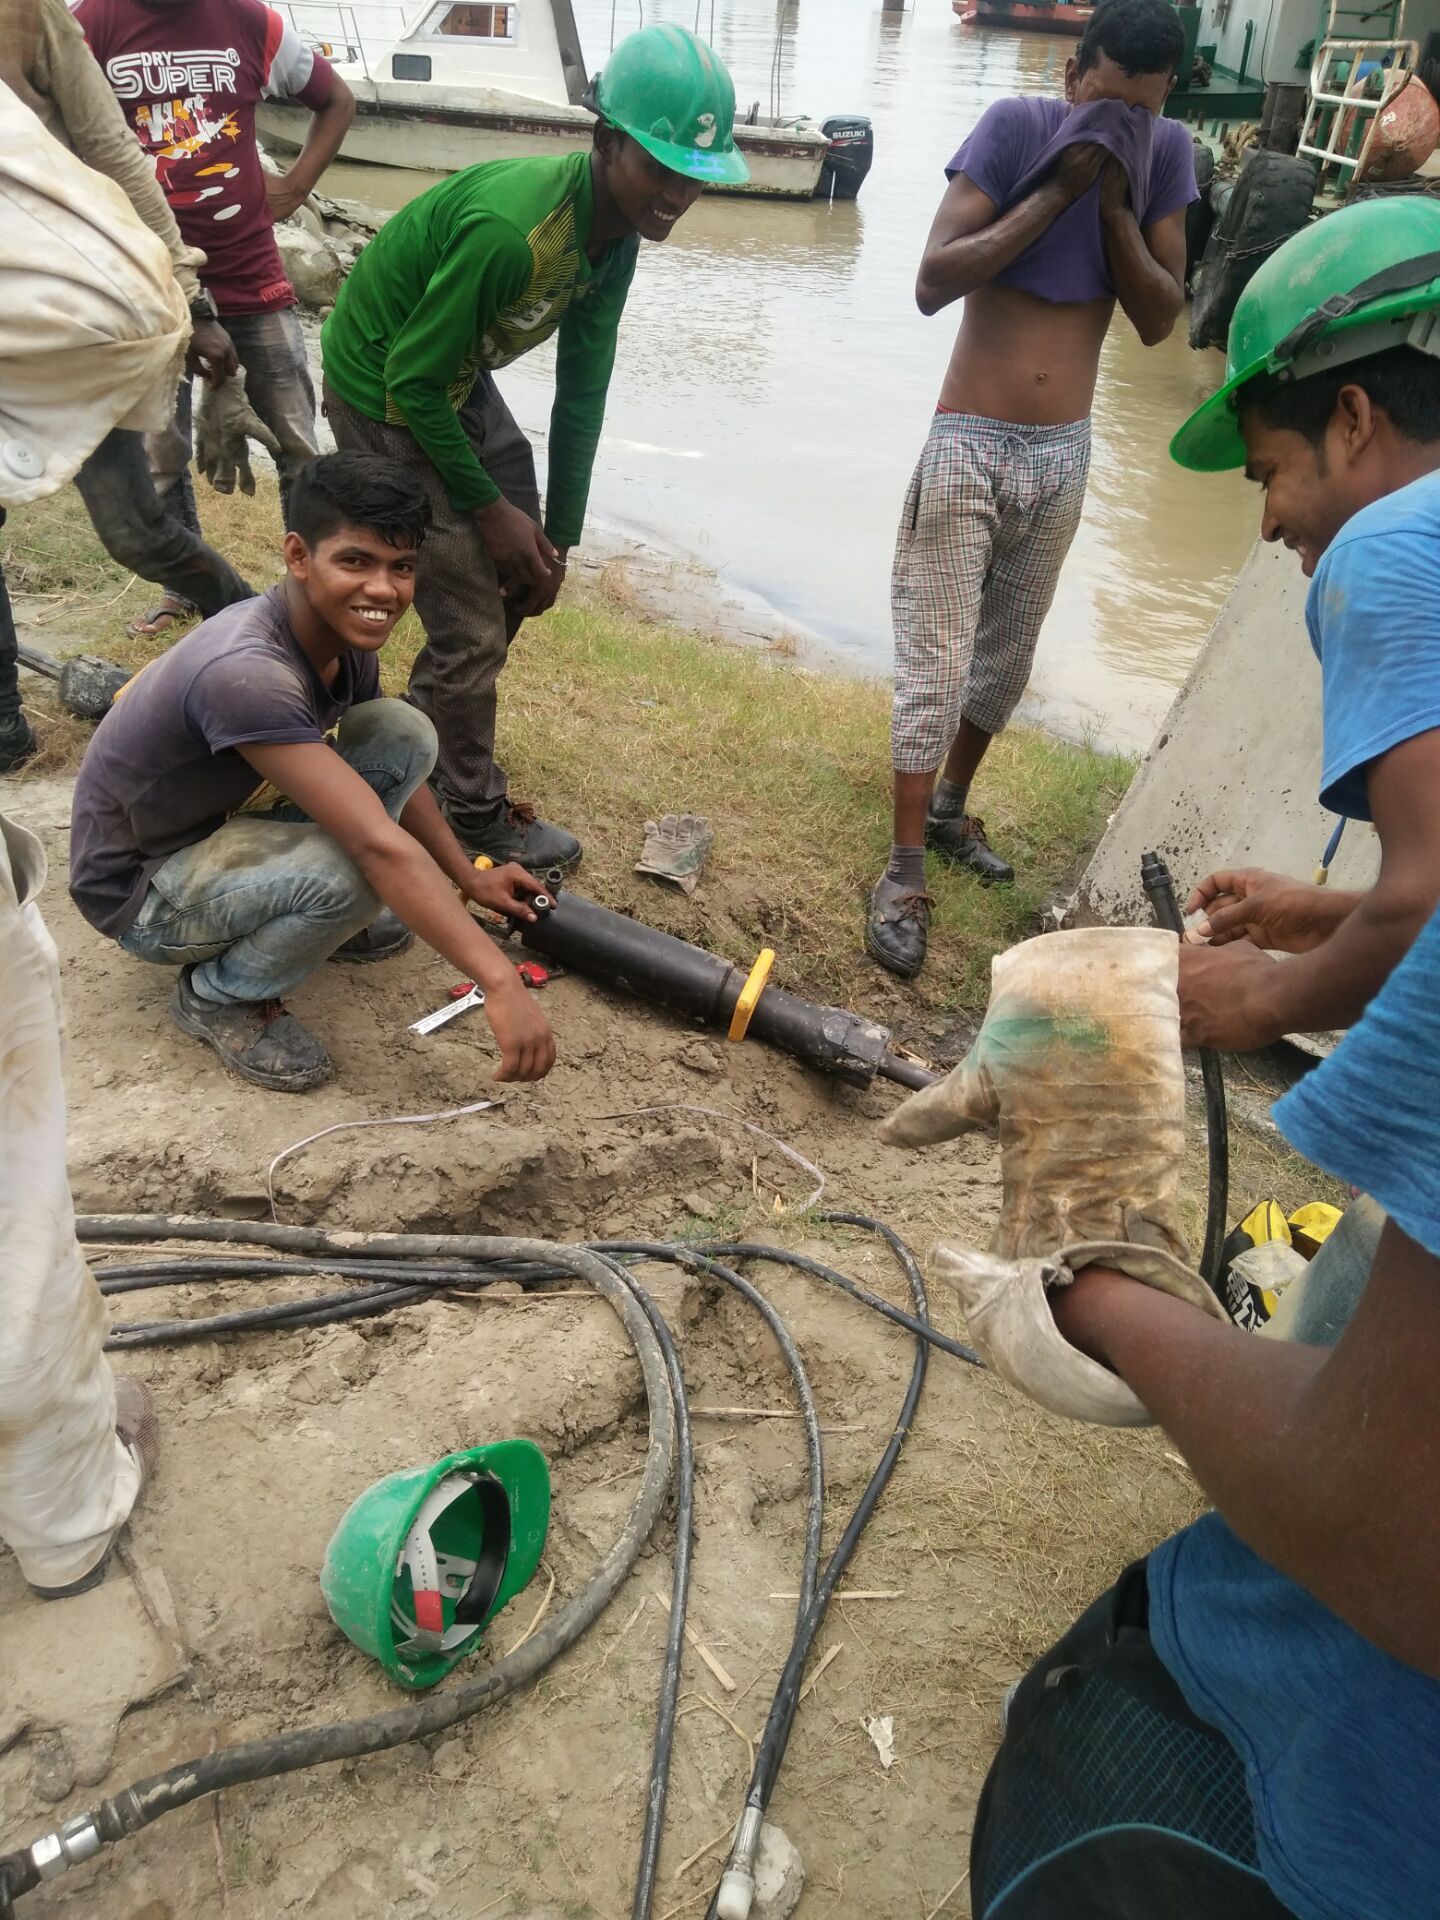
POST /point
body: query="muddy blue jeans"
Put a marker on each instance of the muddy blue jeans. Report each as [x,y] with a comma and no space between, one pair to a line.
[268,897]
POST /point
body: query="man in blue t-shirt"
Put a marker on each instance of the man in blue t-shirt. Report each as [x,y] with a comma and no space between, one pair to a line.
[1248,1723]
[1348,451]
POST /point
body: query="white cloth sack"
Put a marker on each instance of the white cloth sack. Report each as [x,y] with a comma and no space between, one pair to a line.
[93,325]
[66,1482]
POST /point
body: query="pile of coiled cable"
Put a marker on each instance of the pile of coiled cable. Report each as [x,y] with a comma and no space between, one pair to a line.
[390,1270]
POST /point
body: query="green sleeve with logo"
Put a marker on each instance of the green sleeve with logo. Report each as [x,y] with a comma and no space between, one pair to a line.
[584,361]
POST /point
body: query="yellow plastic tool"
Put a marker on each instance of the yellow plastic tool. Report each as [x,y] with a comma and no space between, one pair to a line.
[750,994]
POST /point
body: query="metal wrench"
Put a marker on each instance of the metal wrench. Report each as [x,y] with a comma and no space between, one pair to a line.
[461,1001]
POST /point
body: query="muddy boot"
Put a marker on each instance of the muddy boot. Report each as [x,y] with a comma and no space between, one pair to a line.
[387,933]
[17,742]
[259,1039]
[138,1431]
[516,834]
[961,839]
[897,927]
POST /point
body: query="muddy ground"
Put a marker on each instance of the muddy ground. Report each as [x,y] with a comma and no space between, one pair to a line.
[998,1525]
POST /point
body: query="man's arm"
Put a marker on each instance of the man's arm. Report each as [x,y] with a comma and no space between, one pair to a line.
[412,885]
[1269,909]
[970,240]
[328,126]
[1321,1461]
[584,361]
[1148,268]
[1234,997]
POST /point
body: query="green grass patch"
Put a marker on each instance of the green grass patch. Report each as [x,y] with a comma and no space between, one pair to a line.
[608,718]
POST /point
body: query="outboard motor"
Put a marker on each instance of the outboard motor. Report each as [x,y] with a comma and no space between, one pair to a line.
[852,149]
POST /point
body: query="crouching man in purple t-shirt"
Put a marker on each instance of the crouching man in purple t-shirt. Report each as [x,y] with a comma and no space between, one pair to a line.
[216,829]
[1055,209]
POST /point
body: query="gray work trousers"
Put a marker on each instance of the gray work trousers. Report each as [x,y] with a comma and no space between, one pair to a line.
[468,628]
[139,531]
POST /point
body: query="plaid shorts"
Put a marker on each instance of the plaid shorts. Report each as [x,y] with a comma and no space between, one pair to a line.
[989,517]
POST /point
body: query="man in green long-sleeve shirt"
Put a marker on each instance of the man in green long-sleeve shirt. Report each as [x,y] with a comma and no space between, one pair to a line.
[464,280]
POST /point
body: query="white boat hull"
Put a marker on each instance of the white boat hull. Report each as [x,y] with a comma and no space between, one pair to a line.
[785,163]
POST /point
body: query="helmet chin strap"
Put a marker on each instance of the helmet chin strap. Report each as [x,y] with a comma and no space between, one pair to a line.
[1418,330]
[1404,277]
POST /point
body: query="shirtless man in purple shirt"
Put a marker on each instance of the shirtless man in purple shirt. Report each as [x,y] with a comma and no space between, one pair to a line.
[1055,210]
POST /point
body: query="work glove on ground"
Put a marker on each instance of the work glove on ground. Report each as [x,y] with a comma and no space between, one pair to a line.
[675,849]
[1078,1066]
[225,423]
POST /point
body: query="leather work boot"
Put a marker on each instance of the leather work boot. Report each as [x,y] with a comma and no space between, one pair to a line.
[17,742]
[516,834]
[961,839]
[387,933]
[258,1039]
[897,927]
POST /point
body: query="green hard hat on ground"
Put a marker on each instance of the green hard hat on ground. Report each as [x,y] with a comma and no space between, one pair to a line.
[422,1560]
[671,92]
[1349,285]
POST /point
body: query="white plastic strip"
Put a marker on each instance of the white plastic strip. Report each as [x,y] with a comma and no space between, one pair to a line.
[342,1126]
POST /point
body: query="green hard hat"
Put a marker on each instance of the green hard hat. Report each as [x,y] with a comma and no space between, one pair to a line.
[1347,286]
[423,1559]
[671,92]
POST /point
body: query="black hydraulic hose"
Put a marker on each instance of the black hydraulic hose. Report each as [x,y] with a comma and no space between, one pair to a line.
[747,1250]
[1155,878]
[447,1261]
[700,1261]
[136,1806]
[773,1741]
[321,1311]
[679,1600]
[262,1233]
[138,1275]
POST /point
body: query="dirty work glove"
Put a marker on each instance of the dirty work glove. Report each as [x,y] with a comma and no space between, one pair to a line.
[1078,1066]
[1007,1315]
[675,849]
[224,423]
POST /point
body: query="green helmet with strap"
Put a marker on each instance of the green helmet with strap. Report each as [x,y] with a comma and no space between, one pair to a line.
[421,1561]
[1349,285]
[671,92]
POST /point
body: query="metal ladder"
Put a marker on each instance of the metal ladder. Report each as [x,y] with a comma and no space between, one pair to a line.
[1351,79]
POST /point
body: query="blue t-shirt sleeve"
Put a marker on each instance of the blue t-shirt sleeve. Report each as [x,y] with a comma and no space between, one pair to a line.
[1172,172]
[1374,619]
[246,699]
[992,154]
[1367,1114]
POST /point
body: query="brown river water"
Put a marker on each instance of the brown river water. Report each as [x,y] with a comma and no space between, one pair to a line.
[775,380]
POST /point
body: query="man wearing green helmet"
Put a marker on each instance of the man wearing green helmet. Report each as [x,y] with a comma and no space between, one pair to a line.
[1332,403]
[462,281]
[1248,1723]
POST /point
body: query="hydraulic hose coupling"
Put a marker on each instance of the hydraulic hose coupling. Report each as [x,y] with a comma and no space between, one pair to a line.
[79,1839]
[737,1884]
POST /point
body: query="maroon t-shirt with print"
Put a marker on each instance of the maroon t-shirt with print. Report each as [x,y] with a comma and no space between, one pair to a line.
[189,77]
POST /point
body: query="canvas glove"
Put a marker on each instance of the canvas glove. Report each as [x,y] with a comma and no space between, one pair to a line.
[225,423]
[1078,1066]
[675,849]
